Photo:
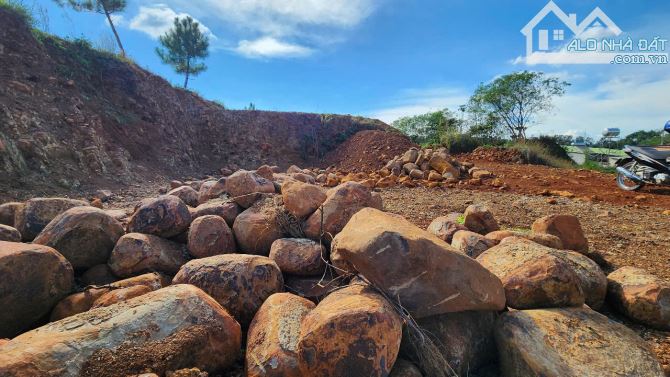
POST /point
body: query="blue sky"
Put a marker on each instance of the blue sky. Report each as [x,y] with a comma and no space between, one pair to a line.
[387,58]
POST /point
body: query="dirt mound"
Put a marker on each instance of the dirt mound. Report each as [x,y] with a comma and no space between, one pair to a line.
[75,118]
[496,154]
[368,150]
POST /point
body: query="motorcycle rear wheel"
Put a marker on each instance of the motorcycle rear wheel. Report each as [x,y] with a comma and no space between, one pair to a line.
[625,183]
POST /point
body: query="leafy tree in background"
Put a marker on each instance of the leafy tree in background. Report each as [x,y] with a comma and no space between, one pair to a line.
[429,128]
[514,101]
[183,45]
[106,7]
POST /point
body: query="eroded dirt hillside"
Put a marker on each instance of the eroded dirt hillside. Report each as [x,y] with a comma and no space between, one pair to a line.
[72,117]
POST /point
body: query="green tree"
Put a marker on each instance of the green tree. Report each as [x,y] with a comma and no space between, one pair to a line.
[183,45]
[514,101]
[106,7]
[430,127]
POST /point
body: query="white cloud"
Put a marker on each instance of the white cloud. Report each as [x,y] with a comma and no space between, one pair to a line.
[420,101]
[155,20]
[269,47]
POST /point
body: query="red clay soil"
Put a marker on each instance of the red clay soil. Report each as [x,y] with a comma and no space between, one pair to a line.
[368,150]
[583,184]
[495,154]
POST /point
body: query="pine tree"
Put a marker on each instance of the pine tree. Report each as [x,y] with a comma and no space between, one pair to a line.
[106,7]
[183,45]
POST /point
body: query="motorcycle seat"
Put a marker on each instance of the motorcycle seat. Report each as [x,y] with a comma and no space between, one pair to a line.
[657,153]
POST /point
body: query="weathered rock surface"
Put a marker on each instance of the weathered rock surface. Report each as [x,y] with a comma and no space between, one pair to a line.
[404,368]
[470,243]
[298,256]
[38,212]
[444,227]
[99,274]
[565,227]
[424,272]
[341,204]
[245,187]
[33,279]
[226,209]
[509,256]
[570,342]
[8,212]
[256,229]
[9,234]
[272,340]
[85,236]
[301,199]
[479,219]
[105,341]
[313,288]
[187,195]
[136,252]
[210,235]
[353,332]
[541,238]
[640,296]
[239,282]
[165,216]
[118,295]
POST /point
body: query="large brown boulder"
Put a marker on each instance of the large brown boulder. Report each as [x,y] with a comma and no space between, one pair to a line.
[313,288]
[210,235]
[301,199]
[38,212]
[165,216]
[84,235]
[99,274]
[479,219]
[33,279]
[118,295]
[9,234]
[135,253]
[565,227]
[444,227]
[257,228]
[570,342]
[341,203]
[272,339]
[226,209]
[169,329]
[353,332]
[425,273]
[470,243]
[465,340]
[245,187]
[541,238]
[8,212]
[187,195]
[519,256]
[298,256]
[640,296]
[239,282]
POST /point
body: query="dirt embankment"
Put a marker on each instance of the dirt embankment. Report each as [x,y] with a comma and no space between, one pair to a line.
[368,151]
[72,118]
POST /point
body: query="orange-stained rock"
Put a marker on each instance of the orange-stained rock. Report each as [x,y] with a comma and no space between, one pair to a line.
[82,301]
[38,212]
[118,295]
[150,332]
[226,209]
[470,243]
[8,212]
[9,234]
[427,275]
[302,177]
[265,171]
[272,339]
[342,202]
[239,282]
[257,228]
[33,279]
[85,236]
[404,368]
[301,199]
[479,219]
[640,296]
[387,181]
[513,253]
[444,227]
[298,256]
[353,332]
[293,169]
[187,195]
[565,227]
[210,235]
[245,187]
[165,216]
[541,238]
[99,274]
[135,253]
[441,164]
[574,342]
[313,288]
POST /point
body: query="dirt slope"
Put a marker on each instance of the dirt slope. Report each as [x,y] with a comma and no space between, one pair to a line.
[71,117]
[368,150]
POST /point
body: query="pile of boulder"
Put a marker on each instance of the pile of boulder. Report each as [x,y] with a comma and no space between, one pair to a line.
[310,281]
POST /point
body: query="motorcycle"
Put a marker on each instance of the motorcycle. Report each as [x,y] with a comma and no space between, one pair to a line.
[644,165]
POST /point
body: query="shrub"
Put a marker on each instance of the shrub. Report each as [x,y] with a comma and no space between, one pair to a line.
[537,153]
[460,143]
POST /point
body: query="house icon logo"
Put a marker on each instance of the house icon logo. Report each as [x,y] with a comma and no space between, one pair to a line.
[555,37]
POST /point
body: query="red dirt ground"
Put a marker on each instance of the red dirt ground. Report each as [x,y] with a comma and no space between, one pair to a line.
[368,150]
